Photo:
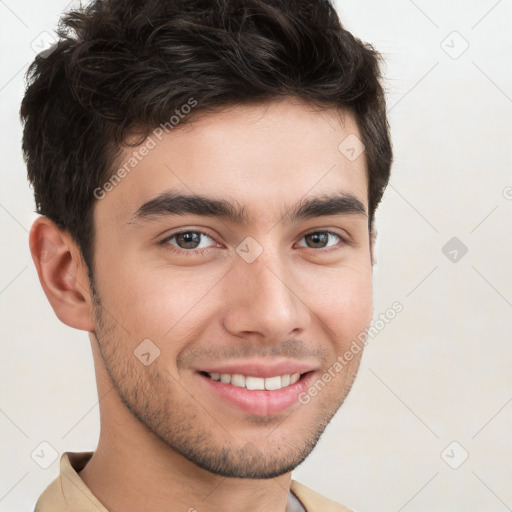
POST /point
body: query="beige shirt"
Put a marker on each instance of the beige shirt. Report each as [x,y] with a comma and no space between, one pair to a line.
[68,492]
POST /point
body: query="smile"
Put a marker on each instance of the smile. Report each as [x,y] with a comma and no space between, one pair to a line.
[260,396]
[256,383]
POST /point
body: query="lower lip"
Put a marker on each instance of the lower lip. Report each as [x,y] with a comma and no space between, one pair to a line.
[259,402]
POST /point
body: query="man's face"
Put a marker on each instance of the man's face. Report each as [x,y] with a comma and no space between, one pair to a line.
[282,292]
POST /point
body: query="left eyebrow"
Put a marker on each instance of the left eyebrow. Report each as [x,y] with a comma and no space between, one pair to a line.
[174,203]
[343,203]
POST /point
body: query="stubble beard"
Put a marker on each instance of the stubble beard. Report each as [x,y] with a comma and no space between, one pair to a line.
[152,396]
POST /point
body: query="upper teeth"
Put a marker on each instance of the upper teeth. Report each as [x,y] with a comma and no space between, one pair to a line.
[269,383]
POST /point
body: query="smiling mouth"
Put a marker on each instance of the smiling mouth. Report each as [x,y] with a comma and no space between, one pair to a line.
[256,383]
[263,395]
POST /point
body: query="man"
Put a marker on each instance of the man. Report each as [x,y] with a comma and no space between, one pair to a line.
[207,174]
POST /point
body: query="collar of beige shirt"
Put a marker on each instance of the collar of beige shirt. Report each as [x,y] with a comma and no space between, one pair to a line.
[68,492]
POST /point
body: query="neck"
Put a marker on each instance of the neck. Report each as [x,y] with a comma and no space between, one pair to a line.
[167,483]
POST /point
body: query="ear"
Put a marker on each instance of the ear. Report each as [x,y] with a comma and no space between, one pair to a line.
[373,237]
[62,274]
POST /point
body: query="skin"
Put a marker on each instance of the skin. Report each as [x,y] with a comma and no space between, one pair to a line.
[166,442]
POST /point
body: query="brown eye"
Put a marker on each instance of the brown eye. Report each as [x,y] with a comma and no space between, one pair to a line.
[320,239]
[317,240]
[192,242]
[188,240]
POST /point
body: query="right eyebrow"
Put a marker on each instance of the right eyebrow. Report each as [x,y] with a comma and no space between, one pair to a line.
[173,203]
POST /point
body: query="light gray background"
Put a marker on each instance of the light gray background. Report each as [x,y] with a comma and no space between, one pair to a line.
[438,373]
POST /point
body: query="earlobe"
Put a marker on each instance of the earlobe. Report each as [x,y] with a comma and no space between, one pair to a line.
[62,273]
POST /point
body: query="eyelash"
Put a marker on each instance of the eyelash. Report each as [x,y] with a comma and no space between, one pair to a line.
[201,252]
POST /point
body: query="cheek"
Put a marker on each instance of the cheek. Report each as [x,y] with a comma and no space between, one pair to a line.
[154,302]
[343,301]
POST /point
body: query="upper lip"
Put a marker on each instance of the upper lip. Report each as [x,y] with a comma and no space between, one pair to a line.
[255,369]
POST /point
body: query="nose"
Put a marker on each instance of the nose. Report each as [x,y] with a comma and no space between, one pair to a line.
[262,299]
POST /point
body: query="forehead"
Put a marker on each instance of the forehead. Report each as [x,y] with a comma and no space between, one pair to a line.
[258,155]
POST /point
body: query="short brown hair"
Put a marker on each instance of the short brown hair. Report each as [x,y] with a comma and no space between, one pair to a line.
[124,66]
